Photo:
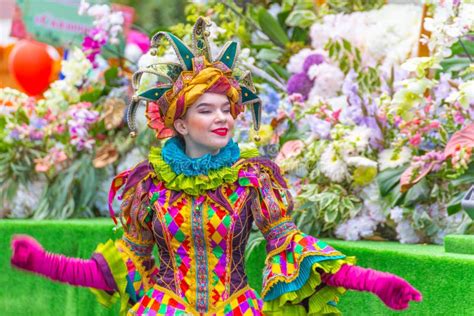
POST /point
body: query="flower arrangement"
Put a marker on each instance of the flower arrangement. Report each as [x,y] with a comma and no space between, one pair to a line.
[59,152]
[386,148]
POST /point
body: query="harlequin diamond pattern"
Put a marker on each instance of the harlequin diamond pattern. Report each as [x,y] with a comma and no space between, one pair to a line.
[247,304]
[218,226]
[174,219]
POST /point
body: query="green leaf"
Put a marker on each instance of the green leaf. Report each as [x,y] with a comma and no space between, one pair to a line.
[466,178]
[455,64]
[287,5]
[272,28]
[457,49]
[282,72]
[301,18]
[255,240]
[326,199]
[269,54]
[395,196]
[92,96]
[330,215]
[388,178]
[299,35]
[417,193]
[347,45]
[454,205]
[111,75]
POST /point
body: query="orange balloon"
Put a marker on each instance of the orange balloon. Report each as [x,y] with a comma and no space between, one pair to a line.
[31,65]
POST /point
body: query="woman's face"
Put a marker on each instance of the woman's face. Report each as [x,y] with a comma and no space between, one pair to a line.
[207,125]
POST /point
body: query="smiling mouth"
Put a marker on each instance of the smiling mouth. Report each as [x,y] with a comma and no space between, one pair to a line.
[221,131]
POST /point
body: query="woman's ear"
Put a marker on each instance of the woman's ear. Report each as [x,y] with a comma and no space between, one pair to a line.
[180,127]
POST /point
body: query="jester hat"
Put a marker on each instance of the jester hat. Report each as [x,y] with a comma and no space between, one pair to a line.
[169,89]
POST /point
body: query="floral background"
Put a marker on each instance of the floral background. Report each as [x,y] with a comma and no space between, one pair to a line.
[373,133]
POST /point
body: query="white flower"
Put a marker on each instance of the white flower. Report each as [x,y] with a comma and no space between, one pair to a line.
[75,68]
[245,57]
[391,158]
[133,52]
[295,64]
[465,94]
[332,165]
[26,199]
[83,7]
[383,36]
[360,161]
[356,228]
[359,137]
[406,233]
[396,214]
[328,81]
[373,202]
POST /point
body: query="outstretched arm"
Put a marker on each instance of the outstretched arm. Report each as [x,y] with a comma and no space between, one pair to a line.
[394,291]
[29,255]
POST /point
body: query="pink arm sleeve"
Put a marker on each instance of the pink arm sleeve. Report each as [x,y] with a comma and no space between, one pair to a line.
[29,255]
[394,291]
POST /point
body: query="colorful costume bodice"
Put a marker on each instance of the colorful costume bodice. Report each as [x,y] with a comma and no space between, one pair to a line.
[201,238]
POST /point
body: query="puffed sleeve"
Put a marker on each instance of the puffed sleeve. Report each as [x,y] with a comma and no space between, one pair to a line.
[127,263]
[295,261]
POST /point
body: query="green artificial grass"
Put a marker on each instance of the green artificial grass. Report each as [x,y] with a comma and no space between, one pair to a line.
[459,244]
[445,279]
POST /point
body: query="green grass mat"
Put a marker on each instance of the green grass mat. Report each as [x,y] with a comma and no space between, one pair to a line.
[459,244]
[445,279]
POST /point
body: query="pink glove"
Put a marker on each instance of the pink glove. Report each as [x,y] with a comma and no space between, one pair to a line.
[29,255]
[394,291]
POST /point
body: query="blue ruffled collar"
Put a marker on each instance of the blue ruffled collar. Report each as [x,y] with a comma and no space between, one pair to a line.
[174,155]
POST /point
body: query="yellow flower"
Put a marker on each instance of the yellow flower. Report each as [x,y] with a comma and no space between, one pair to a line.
[265,133]
[364,175]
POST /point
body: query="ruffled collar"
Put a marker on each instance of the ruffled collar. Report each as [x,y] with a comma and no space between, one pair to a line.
[174,155]
[198,184]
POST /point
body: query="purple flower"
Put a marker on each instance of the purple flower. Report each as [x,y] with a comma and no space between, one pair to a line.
[350,88]
[318,127]
[93,43]
[36,135]
[314,59]
[38,123]
[15,134]
[299,83]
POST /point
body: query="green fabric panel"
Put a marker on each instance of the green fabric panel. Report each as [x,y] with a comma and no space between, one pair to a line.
[228,58]
[445,279]
[184,51]
[459,244]
[154,94]
[247,95]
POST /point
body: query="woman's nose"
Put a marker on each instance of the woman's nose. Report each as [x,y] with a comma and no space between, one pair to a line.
[221,116]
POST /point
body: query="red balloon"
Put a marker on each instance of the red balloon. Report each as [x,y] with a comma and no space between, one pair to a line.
[31,66]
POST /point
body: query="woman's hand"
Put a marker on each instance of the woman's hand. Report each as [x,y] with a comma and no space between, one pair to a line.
[27,253]
[395,292]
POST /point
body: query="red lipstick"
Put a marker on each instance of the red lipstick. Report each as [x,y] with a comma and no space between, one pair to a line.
[221,131]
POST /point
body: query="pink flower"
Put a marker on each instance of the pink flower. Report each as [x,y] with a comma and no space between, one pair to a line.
[415,140]
[139,39]
[458,117]
[434,125]
[42,164]
[60,129]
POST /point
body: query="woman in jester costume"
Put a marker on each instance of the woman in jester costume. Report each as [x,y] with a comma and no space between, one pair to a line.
[196,199]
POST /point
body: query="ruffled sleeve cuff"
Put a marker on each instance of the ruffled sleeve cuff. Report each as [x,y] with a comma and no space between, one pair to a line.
[293,275]
[114,270]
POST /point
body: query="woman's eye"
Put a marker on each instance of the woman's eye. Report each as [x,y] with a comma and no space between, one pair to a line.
[226,110]
[205,112]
